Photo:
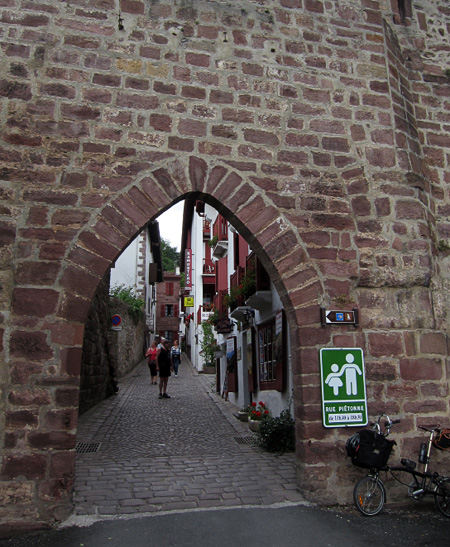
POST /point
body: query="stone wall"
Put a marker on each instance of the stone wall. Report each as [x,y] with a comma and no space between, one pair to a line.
[108,354]
[98,379]
[318,128]
[128,344]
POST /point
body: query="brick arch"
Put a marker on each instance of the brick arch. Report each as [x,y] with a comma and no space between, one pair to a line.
[53,333]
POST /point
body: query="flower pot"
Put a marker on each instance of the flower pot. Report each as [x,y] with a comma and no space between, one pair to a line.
[253,425]
[243,416]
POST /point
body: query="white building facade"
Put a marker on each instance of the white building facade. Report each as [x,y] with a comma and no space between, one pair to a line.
[139,268]
[228,285]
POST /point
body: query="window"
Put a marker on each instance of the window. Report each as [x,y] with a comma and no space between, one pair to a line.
[267,367]
[169,289]
[168,335]
[169,310]
[272,361]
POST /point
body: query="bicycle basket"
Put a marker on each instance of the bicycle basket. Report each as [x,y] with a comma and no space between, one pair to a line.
[442,442]
[371,450]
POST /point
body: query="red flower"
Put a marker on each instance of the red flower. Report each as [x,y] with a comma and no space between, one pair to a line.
[261,404]
[266,412]
[258,414]
[253,404]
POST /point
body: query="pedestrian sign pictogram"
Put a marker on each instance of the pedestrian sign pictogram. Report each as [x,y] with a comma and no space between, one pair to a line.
[344,401]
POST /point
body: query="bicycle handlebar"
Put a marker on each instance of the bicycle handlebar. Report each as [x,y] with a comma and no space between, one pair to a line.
[435,428]
[387,424]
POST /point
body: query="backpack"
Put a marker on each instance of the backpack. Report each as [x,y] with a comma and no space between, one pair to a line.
[442,441]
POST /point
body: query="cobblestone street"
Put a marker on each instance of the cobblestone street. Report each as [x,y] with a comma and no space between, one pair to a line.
[185,452]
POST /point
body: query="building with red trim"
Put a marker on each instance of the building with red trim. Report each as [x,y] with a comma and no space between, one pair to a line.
[228,286]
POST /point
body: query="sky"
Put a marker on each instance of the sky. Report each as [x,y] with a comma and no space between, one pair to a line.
[170,224]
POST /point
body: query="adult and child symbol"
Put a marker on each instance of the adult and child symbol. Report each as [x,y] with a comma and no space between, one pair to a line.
[162,359]
[350,371]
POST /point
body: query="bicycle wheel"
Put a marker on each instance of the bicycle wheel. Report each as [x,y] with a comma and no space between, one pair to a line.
[442,496]
[369,496]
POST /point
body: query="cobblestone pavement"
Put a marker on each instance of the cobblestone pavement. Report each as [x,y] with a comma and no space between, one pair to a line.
[186,452]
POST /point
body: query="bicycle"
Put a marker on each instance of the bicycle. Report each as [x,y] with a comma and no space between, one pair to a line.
[371,449]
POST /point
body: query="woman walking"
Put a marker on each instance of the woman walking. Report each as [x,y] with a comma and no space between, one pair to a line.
[164,368]
[151,355]
[176,357]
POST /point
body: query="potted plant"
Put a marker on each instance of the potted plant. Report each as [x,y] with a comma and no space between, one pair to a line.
[258,413]
[213,242]
[243,413]
[277,434]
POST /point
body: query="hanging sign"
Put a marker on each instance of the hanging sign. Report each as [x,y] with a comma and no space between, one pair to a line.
[188,268]
[343,383]
[188,301]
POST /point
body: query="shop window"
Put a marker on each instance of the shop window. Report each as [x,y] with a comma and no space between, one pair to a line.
[272,355]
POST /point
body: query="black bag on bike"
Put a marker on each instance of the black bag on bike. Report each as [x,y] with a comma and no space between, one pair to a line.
[369,449]
[442,442]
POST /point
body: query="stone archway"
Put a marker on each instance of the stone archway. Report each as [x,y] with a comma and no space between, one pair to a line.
[47,357]
[309,121]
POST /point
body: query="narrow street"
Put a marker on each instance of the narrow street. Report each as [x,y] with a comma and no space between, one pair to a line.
[140,454]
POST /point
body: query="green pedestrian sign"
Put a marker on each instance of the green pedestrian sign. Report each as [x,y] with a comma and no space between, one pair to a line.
[343,382]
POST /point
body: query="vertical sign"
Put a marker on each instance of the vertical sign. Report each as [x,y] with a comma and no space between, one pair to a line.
[188,263]
[344,401]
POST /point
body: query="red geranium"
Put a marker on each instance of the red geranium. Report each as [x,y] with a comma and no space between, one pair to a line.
[258,411]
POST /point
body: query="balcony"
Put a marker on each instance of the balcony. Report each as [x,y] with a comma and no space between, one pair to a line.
[258,294]
[236,295]
[220,237]
[220,249]
[209,267]
[222,325]
[204,312]
[206,230]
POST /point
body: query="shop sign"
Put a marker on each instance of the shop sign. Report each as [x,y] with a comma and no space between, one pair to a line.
[188,268]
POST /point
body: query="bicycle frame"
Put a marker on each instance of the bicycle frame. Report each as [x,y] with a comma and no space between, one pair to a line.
[369,493]
[427,479]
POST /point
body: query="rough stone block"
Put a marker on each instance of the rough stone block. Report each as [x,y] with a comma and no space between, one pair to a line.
[30,345]
[29,466]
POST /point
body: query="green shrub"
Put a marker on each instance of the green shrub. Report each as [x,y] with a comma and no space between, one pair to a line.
[277,434]
[127,295]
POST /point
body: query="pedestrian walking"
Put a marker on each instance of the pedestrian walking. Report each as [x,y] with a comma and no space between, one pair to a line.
[176,357]
[152,354]
[164,368]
